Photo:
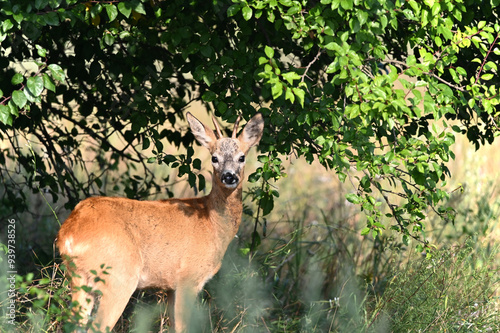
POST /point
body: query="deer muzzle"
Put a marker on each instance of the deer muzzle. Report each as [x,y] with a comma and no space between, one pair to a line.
[230,179]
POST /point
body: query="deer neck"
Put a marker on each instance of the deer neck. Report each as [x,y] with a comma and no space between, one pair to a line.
[226,206]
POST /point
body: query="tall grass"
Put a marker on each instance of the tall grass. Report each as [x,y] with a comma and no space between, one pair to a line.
[312,272]
[456,290]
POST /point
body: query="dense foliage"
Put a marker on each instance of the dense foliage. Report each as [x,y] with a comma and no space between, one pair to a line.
[375,90]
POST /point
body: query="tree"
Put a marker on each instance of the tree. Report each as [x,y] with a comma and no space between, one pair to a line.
[375,90]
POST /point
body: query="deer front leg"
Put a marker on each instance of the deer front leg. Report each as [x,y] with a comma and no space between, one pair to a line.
[184,302]
[171,307]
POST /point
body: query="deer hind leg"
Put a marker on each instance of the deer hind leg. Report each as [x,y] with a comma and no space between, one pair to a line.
[83,303]
[116,292]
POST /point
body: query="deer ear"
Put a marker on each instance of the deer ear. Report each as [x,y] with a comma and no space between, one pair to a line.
[252,133]
[202,133]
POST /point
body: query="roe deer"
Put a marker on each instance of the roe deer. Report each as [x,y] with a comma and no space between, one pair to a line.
[174,244]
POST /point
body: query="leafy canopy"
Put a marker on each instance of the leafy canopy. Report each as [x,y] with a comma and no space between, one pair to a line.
[375,90]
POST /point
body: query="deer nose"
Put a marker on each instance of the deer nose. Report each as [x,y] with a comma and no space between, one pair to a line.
[229,178]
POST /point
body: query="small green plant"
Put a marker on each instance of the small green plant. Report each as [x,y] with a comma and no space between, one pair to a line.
[40,301]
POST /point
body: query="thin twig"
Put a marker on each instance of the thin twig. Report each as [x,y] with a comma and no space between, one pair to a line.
[486,57]
[310,64]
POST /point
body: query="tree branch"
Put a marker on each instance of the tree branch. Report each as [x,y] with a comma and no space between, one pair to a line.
[403,66]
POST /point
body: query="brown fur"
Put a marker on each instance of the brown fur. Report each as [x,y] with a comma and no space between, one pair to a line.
[175,244]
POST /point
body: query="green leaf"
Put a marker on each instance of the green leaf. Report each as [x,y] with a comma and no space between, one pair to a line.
[139,7]
[197,164]
[201,182]
[41,51]
[436,9]
[109,39]
[233,10]
[125,9]
[365,231]
[271,17]
[263,158]
[40,4]
[471,103]
[294,9]
[57,72]
[14,110]
[346,4]
[207,51]
[362,16]
[35,85]
[437,169]
[277,90]
[290,76]
[18,78]
[222,107]
[353,198]
[5,116]
[269,51]
[267,204]
[209,96]
[487,77]
[247,13]
[461,71]
[48,83]
[208,78]
[7,25]
[95,10]
[490,65]
[112,12]
[289,95]
[32,98]
[352,111]
[18,17]
[51,18]
[19,98]
[300,94]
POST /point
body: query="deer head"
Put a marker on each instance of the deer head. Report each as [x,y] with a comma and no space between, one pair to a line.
[228,154]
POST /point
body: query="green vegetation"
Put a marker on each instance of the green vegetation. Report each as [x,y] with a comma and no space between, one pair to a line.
[314,273]
[372,95]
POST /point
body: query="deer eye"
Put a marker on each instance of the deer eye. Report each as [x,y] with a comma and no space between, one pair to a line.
[215,159]
[241,159]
